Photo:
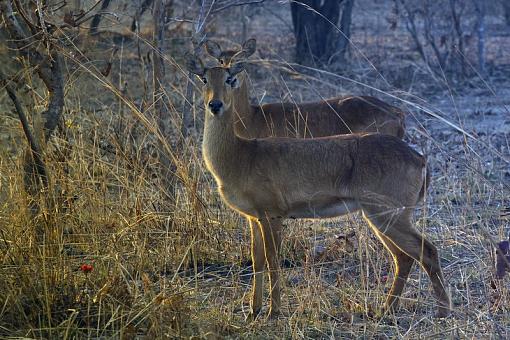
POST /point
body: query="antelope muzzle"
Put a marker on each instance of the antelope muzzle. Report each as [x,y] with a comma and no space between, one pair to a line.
[215,106]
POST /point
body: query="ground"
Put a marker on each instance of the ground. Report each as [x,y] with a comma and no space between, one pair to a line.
[182,268]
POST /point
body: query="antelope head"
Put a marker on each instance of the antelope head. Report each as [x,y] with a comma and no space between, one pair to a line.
[219,83]
[228,57]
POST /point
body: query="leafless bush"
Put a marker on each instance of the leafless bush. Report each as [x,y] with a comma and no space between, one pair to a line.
[441,30]
[34,39]
[506,10]
[125,261]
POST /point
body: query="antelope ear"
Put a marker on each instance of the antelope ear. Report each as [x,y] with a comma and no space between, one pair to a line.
[213,49]
[236,68]
[238,57]
[249,46]
[194,64]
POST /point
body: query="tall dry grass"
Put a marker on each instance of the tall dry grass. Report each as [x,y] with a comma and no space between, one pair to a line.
[176,264]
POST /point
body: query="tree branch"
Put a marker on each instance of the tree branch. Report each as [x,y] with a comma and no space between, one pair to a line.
[48,68]
[235,4]
[36,151]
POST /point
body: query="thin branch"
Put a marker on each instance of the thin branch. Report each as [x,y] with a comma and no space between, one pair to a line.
[235,4]
[48,68]
[197,40]
[34,145]
[21,11]
[84,13]
[97,17]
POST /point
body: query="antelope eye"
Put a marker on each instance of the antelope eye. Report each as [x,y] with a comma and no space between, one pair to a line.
[231,81]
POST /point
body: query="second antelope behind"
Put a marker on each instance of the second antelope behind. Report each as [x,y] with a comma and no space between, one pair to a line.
[268,180]
[334,116]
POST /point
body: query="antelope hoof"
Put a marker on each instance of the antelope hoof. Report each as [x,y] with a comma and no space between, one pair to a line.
[443,312]
[384,315]
[389,309]
[274,314]
[252,316]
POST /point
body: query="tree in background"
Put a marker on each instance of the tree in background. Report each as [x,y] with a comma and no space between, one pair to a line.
[322,30]
[97,17]
[506,10]
[441,33]
[36,45]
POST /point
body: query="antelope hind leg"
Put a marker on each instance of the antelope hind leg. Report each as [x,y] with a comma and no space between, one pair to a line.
[403,265]
[398,228]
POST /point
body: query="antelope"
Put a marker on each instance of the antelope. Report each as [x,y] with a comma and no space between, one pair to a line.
[270,179]
[340,115]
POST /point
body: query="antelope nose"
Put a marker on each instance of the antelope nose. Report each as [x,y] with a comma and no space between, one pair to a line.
[215,106]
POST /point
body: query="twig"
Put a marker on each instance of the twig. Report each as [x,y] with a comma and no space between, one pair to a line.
[236,4]
[84,13]
[197,40]
[48,68]
[34,145]
[97,17]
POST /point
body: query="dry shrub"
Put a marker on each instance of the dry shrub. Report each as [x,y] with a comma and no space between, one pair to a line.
[169,265]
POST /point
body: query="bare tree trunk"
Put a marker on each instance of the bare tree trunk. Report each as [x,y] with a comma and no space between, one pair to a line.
[413,30]
[457,25]
[162,114]
[480,8]
[197,40]
[187,107]
[97,17]
[159,16]
[506,11]
[317,37]
[345,28]
[421,20]
[139,12]
[244,21]
[76,6]
[39,167]
[48,67]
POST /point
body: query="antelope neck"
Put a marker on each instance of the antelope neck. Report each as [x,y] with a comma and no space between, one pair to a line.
[223,151]
[242,102]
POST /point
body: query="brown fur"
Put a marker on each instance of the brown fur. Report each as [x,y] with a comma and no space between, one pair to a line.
[271,179]
[339,115]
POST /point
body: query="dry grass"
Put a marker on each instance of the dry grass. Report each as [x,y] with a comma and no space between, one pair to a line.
[180,268]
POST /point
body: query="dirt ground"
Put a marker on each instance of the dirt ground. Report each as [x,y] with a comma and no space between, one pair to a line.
[187,273]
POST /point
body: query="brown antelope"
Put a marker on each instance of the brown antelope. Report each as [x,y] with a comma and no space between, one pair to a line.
[340,115]
[271,179]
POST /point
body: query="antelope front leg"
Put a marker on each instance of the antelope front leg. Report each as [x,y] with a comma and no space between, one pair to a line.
[258,260]
[271,235]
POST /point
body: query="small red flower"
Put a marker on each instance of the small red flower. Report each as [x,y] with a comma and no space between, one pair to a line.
[86,268]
